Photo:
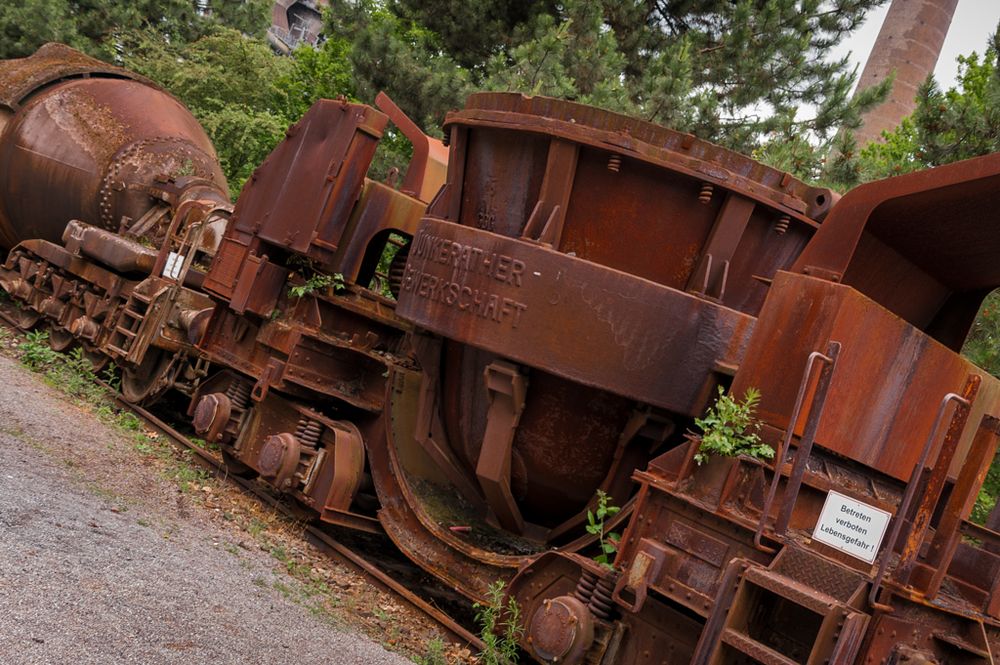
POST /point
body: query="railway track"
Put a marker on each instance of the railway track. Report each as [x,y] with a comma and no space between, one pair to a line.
[322,537]
[372,568]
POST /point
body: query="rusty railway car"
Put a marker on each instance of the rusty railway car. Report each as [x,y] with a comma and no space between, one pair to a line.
[569,291]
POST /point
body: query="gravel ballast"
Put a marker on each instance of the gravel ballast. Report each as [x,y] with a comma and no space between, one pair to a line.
[104,561]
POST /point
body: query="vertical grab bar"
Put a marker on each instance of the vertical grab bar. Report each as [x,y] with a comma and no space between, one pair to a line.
[911,490]
[791,493]
[779,455]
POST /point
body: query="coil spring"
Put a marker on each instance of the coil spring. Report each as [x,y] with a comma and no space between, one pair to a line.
[615,163]
[397,268]
[308,431]
[585,587]
[239,394]
[705,195]
[781,225]
[601,604]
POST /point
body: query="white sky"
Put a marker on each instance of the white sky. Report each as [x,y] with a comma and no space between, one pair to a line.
[973,23]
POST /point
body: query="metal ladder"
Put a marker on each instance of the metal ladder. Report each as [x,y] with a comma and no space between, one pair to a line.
[819,597]
[128,325]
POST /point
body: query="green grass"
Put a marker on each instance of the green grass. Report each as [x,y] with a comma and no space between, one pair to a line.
[73,374]
[434,654]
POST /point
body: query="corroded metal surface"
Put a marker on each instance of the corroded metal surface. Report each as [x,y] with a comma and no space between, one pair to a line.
[88,148]
[618,265]
[107,180]
[570,301]
[51,63]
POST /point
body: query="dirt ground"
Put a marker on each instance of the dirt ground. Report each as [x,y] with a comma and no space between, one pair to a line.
[115,549]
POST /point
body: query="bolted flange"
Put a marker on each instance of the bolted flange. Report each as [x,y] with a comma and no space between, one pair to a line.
[561,631]
[85,327]
[211,415]
[278,459]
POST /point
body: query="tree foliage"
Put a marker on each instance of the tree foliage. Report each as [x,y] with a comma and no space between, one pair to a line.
[244,94]
[732,71]
[946,126]
[95,26]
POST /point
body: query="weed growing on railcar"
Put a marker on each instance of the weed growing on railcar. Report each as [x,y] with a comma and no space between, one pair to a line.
[500,625]
[729,428]
[608,541]
[317,282]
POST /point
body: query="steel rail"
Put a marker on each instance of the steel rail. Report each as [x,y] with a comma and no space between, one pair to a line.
[317,536]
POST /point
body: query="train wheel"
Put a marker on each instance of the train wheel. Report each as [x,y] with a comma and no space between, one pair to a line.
[26,319]
[98,361]
[145,383]
[61,340]
[234,467]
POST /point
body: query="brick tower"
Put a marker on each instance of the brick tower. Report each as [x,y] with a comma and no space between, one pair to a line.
[909,43]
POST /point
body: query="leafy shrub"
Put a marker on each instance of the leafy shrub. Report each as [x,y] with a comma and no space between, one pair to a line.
[730,429]
[36,352]
[316,283]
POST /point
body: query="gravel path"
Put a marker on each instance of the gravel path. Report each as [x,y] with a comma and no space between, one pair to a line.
[101,561]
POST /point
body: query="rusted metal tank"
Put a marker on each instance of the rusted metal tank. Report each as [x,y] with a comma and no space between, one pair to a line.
[580,288]
[112,203]
[80,139]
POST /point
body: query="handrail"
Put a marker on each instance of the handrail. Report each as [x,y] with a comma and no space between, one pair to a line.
[805,446]
[904,506]
[779,455]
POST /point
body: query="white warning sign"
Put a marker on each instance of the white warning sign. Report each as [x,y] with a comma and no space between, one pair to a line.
[851,526]
[172,268]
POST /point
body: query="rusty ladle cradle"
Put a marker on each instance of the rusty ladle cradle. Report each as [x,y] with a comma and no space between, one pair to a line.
[471,388]
[492,283]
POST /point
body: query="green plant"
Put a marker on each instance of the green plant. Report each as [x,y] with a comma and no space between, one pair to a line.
[315,283]
[129,421]
[608,541]
[36,352]
[396,243]
[500,626]
[75,376]
[988,493]
[111,377]
[730,429]
[434,655]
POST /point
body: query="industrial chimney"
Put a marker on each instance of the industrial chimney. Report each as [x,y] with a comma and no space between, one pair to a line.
[909,43]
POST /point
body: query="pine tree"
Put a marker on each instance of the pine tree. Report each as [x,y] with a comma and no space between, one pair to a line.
[946,126]
[737,72]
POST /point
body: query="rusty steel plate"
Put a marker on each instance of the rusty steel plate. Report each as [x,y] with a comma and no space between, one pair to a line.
[581,321]
[52,62]
[648,142]
[886,387]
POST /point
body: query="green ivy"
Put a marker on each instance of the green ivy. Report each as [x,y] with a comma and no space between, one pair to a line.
[316,283]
